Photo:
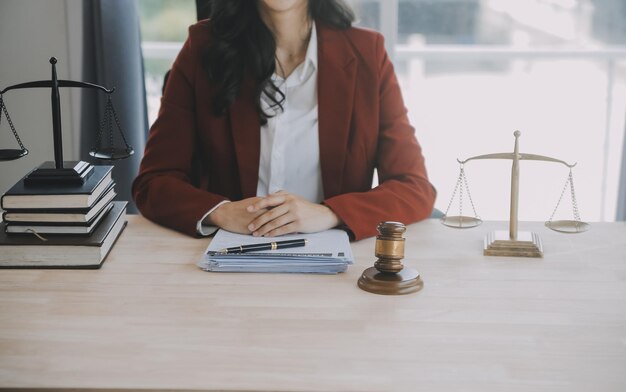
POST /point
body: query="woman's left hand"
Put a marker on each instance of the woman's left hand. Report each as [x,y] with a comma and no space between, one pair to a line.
[289,213]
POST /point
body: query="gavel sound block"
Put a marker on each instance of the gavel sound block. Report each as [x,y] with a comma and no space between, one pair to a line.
[388,276]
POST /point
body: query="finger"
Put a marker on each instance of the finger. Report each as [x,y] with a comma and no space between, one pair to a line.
[267,202]
[259,212]
[274,224]
[286,229]
[268,216]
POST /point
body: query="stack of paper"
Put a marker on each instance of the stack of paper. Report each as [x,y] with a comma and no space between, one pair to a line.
[326,252]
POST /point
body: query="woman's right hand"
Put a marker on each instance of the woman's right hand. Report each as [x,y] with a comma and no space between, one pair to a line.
[234,216]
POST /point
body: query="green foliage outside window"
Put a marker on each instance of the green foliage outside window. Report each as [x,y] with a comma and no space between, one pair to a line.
[166,20]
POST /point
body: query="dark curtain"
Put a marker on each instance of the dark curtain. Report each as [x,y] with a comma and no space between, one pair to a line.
[112,58]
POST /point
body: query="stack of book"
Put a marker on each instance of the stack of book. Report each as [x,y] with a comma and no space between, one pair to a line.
[61,225]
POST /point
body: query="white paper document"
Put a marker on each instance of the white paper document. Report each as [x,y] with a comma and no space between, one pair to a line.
[326,252]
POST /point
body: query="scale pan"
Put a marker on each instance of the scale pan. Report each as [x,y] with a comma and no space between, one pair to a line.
[568,226]
[12,154]
[461,222]
[111,154]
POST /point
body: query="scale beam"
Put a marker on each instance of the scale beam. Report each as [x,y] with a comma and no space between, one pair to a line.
[521,157]
[61,83]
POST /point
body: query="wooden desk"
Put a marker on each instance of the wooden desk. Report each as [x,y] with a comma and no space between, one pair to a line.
[151,319]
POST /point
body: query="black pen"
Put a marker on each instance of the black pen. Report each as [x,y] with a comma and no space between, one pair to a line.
[265,246]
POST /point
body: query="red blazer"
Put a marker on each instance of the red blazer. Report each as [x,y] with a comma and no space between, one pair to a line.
[363,125]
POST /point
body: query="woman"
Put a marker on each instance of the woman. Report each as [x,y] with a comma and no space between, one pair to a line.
[274,117]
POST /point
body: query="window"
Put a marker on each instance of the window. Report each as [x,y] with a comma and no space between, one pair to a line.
[164,26]
[474,71]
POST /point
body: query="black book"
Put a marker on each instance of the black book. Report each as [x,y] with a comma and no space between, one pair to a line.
[63,251]
[29,228]
[67,216]
[46,197]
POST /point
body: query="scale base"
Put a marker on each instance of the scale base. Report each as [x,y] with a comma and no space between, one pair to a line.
[406,281]
[498,243]
[72,173]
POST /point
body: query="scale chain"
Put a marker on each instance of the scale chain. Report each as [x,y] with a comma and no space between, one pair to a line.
[570,181]
[456,187]
[461,193]
[110,122]
[469,195]
[3,108]
[460,182]
[98,141]
[117,122]
[574,203]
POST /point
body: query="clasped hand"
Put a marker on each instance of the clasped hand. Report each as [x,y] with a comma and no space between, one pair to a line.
[273,215]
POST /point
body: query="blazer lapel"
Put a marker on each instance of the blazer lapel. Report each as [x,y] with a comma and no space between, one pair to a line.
[337,71]
[246,138]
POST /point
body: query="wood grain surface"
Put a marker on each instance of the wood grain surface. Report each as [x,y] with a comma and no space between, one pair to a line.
[150,319]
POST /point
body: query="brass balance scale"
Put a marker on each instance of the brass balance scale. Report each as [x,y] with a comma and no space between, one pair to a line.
[72,172]
[513,243]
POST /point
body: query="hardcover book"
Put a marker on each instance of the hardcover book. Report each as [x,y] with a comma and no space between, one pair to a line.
[28,228]
[21,196]
[61,216]
[63,251]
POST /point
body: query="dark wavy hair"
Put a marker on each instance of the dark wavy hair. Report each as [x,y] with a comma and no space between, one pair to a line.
[241,44]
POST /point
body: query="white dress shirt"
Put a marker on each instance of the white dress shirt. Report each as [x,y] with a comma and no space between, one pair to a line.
[289,156]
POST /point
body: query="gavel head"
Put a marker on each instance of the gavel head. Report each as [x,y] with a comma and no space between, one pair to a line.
[390,247]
